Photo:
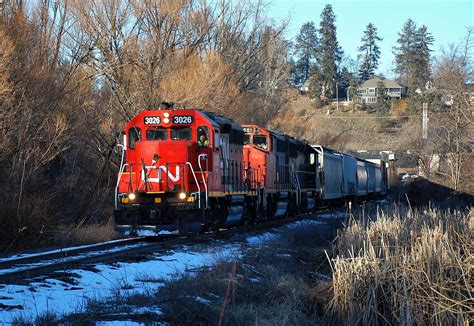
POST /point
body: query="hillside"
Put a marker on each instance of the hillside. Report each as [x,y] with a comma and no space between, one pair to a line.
[351,127]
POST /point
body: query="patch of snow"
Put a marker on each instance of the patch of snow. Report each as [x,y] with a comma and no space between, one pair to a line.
[302,223]
[60,297]
[144,310]
[164,232]
[118,323]
[338,216]
[261,238]
[146,233]
[202,300]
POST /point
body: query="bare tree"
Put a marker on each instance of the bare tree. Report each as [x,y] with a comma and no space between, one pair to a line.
[453,71]
[451,129]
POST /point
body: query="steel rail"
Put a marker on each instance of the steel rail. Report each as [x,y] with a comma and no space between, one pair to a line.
[25,268]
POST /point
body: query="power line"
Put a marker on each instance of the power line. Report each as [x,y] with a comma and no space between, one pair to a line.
[346,117]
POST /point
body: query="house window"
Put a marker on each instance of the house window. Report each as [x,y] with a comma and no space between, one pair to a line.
[371,90]
[362,91]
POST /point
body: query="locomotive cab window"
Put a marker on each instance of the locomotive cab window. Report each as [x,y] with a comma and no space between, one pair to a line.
[203,136]
[246,139]
[260,141]
[134,135]
[157,134]
[183,133]
[216,140]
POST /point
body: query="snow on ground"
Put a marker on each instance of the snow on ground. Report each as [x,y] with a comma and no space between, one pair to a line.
[338,215]
[118,323]
[267,236]
[261,238]
[55,251]
[60,297]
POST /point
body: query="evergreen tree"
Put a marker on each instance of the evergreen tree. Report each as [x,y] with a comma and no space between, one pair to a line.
[405,54]
[315,85]
[329,52]
[423,41]
[370,52]
[305,51]
[381,92]
[412,56]
[347,80]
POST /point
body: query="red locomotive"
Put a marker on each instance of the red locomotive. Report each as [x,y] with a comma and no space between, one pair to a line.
[192,169]
[185,168]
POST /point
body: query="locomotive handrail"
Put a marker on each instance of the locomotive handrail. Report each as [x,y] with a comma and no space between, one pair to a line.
[123,166]
[298,189]
[197,184]
[120,169]
[202,176]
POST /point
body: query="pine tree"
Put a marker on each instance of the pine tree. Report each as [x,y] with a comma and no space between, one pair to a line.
[423,41]
[329,51]
[370,52]
[405,54]
[412,56]
[305,51]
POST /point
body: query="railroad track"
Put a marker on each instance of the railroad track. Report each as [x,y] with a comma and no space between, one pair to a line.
[22,269]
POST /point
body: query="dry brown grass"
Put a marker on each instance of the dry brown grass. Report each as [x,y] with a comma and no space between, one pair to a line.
[86,234]
[406,267]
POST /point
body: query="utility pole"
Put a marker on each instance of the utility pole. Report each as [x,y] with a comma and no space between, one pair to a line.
[425,121]
[337,96]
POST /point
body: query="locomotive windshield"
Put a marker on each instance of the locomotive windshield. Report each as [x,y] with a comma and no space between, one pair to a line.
[157,134]
[183,133]
[260,141]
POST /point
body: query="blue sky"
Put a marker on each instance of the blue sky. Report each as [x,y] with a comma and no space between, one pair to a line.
[446,20]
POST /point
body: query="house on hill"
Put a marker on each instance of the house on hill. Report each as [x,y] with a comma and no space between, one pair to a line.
[368,91]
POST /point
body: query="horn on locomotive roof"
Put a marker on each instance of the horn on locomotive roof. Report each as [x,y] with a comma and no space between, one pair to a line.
[166,105]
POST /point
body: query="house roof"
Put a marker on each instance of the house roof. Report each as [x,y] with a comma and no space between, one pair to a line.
[374,81]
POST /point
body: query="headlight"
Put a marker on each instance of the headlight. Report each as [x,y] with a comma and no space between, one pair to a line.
[182,195]
[166,120]
[132,196]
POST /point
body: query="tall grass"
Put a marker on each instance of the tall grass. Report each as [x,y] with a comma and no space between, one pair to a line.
[406,267]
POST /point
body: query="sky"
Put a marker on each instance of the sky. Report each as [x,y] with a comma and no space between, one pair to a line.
[447,20]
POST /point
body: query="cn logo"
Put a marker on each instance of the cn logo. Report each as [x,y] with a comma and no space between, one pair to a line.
[161,169]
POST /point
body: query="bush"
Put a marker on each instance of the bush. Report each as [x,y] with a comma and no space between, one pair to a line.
[404,268]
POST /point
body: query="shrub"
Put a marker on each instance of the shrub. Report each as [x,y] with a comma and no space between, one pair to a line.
[404,268]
